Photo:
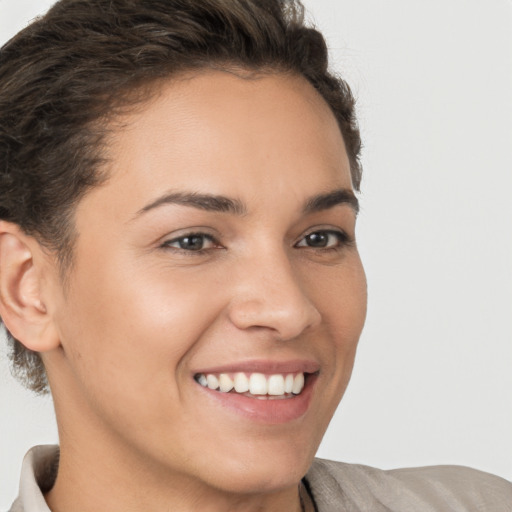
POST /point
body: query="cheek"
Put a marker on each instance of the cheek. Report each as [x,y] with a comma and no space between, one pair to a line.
[350,314]
[340,294]
[135,330]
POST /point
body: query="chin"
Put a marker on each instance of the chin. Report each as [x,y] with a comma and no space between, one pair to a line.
[264,468]
[267,478]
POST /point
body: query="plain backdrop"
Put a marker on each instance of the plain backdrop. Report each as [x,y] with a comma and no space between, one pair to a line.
[433,376]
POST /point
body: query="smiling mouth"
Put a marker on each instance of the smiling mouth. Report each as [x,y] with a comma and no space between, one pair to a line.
[255,385]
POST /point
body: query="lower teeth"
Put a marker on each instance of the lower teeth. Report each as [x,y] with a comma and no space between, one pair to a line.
[267,397]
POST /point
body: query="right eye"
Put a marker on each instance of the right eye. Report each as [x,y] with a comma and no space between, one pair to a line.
[191,242]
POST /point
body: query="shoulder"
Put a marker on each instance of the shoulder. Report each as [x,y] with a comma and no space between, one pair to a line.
[428,489]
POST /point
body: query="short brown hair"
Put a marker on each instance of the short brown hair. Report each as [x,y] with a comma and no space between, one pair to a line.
[65,74]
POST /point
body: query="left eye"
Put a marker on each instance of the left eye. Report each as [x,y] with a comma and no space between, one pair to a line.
[191,242]
[323,239]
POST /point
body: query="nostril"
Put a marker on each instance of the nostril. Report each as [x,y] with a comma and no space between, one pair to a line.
[288,316]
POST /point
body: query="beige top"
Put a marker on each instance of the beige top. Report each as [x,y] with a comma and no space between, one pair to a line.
[335,487]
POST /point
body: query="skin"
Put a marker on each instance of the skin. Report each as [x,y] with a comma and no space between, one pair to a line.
[139,315]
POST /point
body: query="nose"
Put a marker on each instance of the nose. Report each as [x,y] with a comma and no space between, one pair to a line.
[269,296]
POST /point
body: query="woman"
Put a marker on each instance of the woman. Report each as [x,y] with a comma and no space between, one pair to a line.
[178,260]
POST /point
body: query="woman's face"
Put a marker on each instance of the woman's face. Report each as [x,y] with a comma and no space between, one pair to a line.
[220,249]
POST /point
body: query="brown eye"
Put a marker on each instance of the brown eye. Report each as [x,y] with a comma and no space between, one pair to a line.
[193,242]
[323,240]
[317,239]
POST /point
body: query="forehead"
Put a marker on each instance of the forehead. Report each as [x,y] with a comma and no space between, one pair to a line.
[221,133]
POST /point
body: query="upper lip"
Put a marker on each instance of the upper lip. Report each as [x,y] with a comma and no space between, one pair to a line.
[264,366]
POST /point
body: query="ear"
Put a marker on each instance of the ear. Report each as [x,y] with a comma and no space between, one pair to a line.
[22,309]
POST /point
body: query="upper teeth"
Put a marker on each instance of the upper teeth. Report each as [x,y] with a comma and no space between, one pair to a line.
[255,384]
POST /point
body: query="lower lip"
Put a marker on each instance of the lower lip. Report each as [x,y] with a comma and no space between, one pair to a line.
[268,411]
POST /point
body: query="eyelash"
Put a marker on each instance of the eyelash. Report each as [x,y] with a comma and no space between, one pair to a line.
[191,252]
[341,237]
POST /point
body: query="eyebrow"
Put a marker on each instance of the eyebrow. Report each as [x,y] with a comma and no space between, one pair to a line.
[208,202]
[329,200]
[223,204]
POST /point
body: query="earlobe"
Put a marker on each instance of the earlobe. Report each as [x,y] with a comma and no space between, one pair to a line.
[21,307]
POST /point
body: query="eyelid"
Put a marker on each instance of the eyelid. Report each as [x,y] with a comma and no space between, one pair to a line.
[198,230]
[342,236]
[166,242]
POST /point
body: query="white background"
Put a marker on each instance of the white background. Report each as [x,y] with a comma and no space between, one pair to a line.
[433,377]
